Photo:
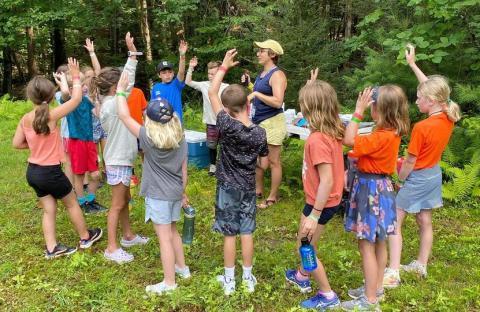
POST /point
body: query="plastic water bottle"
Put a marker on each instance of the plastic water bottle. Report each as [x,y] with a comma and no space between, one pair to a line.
[307,253]
[188,225]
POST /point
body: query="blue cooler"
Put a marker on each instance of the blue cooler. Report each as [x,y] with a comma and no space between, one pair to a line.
[198,154]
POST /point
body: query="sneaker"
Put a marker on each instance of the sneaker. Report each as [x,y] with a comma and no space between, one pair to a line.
[227,285]
[320,302]
[360,304]
[95,235]
[134,181]
[360,291]
[304,286]
[183,273]
[415,267]
[95,207]
[160,288]
[119,256]
[58,251]
[138,240]
[391,278]
[249,283]
[212,169]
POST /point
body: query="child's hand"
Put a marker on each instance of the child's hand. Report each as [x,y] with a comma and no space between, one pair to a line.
[129,41]
[123,82]
[228,60]
[73,67]
[410,54]
[245,79]
[193,62]
[308,227]
[89,45]
[185,201]
[183,47]
[364,100]
[313,75]
[60,78]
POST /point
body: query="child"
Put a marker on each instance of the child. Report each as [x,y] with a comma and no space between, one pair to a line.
[209,117]
[164,180]
[170,88]
[322,175]
[422,191]
[119,154]
[371,214]
[38,132]
[241,143]
[137,104]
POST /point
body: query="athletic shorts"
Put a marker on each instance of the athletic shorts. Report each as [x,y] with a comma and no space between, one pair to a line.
[326,215]
[162,211]
[83,156]
[118,174]
[276,129]
[48,180]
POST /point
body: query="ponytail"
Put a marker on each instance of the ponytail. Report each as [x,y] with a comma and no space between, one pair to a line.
[40,122]
[41,92]
[453,111]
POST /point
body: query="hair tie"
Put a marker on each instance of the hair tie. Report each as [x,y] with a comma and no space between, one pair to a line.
[449,101]
[44,102]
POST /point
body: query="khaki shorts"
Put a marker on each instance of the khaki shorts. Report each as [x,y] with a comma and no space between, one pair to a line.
[276,129]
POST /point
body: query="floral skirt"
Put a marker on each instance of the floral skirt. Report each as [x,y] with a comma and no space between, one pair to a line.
[371,213]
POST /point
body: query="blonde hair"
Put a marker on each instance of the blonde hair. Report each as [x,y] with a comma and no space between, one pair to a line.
[213,64]
[436,89]
[392,109]
[167,135]
[319,104]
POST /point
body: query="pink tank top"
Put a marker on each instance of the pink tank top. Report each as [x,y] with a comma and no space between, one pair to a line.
[45,150]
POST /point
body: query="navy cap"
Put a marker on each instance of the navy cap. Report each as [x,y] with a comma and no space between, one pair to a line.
[164,65]
[160,110]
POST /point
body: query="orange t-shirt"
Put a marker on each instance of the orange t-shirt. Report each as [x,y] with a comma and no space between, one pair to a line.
[137,104]
[377,152]
[322,149]
[429,139]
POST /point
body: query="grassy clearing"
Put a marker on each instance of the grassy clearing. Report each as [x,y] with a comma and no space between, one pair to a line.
[85,281]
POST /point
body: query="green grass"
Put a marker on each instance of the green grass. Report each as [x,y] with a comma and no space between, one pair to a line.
[86,282]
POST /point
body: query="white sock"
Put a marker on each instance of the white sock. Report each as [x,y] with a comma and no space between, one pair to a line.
[229,274]
[247,272]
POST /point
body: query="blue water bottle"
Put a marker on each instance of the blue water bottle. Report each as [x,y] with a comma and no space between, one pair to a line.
[307,253]
[188,225]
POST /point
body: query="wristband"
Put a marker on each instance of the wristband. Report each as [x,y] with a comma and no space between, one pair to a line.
[357,115]
[134,53]
[76,77]
[121,94]
[223,68]
[355,119]
[319,210]
[310,216]
[76,85]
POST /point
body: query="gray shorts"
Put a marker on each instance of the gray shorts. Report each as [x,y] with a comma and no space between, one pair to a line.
[235,211]
[162,211]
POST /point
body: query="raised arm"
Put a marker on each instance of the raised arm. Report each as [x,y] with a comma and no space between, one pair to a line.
[363,102]
[93,57]
[278,82]
[122,107]
[76,97]
[191,66]
[182,49]
[228,62]
[131,65]
[410,57]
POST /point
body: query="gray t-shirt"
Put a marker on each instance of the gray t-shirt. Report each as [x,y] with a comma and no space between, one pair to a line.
[162,169]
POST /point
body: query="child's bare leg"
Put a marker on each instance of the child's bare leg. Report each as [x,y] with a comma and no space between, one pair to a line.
[76,215]
[125,218]
[381,256]
[177,246]
[78,184]
[118,203]
[395,242]
[164,234]
[259,173]
[49,205]
[424,221]
[94,181]
[229,250]
[67,168]
[246,241]
[370,268]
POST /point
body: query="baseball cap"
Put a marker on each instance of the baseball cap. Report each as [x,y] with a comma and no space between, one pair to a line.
[270,44]
[164,65]
[160,110]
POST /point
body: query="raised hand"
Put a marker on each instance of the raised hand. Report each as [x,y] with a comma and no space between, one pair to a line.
[89,45]
[193,62]
[410,54]
[73,67]
[364,100]
[229,59]
[313,75]
[123,82]
[183,47]
[129,41]
[59,78]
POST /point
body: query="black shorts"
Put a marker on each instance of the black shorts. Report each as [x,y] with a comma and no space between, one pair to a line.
[327,213]
[48,180]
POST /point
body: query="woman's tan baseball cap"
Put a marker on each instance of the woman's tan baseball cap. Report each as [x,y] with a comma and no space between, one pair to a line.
[270,44]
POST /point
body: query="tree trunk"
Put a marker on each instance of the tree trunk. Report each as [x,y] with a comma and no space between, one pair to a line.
[348,19]
[58,47]
[7,70]
[145,29]
[19,66]
[31,63]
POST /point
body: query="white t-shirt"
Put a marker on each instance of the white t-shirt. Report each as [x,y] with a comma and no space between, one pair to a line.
[208,116]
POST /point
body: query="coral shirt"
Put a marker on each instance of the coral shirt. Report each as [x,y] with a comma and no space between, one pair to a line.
[429,139]
[322,149]
[45,150]
[137,104]
[377,152]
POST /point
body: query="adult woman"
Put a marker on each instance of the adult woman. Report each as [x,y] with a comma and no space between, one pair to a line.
[267,96]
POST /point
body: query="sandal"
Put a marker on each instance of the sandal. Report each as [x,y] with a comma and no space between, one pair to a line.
[259,195]
[267,203]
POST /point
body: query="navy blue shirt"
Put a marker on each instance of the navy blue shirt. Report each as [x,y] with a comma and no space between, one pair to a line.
[262,110]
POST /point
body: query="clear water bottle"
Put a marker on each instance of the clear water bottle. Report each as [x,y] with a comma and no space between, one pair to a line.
[307,253]
[188,225]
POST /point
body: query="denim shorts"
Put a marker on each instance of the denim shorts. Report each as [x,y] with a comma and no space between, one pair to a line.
[326,215]
[118,174]
[162,211]
[235,211]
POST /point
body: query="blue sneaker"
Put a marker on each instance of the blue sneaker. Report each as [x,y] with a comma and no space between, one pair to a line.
[291,277]
[320,303]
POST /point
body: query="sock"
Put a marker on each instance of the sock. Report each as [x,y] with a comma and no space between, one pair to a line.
[81,200]
[247,272]
[301,277]
[327,294]
[90,197]
[229,274]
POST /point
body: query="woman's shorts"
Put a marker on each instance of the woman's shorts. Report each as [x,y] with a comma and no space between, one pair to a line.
[118,174]
[235,211]
[48,180]
[422,190]
[326,215]
[212,136]
[371,211]
[162,211]
[276,129]
[83,156]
